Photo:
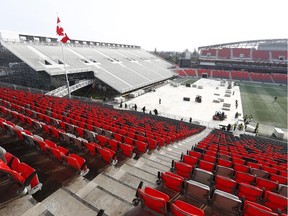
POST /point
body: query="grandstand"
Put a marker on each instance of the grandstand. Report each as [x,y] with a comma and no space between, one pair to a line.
[85,157]
[255,55]
[121,67]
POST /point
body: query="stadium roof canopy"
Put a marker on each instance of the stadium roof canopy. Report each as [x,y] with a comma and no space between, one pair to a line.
[265,44]
[121,66]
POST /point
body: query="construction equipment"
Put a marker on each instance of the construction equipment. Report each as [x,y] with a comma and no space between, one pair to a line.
[219,116]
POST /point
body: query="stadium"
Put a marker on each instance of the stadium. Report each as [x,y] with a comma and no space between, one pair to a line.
[100,128]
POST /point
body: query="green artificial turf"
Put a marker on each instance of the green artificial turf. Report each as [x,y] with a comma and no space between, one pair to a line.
[258,100]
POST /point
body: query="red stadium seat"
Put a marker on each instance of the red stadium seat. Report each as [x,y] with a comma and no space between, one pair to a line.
[206,165]
[253,209]
[183,169]
[154,199]
[190,160]
[180,208]
[225,184]
[127,150]
[250,192]
[275,201]
[241,177]
[172,181]
[267,184]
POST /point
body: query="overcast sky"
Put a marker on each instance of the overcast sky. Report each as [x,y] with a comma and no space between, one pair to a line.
[163,24]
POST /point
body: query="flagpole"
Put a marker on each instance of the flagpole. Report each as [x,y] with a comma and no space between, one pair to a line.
[66,75]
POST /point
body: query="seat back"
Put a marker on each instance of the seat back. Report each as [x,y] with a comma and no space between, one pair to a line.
[195,154]
[226,202]
[190,160]
[283,190]
[225,184]
[183,169]
[14,174]
[29,174]
[224,171]
[127,150]
[265,183]
[241,177]
[259,173]
[225,163]
[141,146]
[172,181]
[154,200]
[241,168]
[202,176]
[197,190]
[250,192]
[205,165]
[106,154]
[275,201]
[180,208]
[252,209]
[114,144]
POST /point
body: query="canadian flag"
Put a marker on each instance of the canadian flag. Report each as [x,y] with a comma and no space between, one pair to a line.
[63,37]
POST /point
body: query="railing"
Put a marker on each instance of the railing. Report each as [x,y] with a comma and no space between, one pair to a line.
[63,91]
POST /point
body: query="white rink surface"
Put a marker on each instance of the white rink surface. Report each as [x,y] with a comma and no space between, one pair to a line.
[173,106]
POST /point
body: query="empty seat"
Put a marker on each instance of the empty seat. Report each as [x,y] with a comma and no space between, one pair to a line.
[154,199]
[13,173]
[202,176]
[92,147]
[205,165]
[223,162]
[108,155]
[77,162]
[195,154]
[190,160]
[282,189]
[226,202]
[141,146]
[225,184]
[224,171]
[259,173]
[275,201]
[254,165]
[196,191]
[278,178]
[129,140]
[270,170]
[180,208]
[113,144]
[172,181]
[253,209]
[241,168]
[267,184]
[209,158]
[127,150]
[31,179]
[183,169]
[119,137]
[102,140]
[244,177]
[153,144]
[249,192]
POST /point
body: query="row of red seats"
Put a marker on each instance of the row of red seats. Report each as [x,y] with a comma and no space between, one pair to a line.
[58,152]
[107,154]
[105,119]
[239,75]
[180,197]
[21,173]
[80,143]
